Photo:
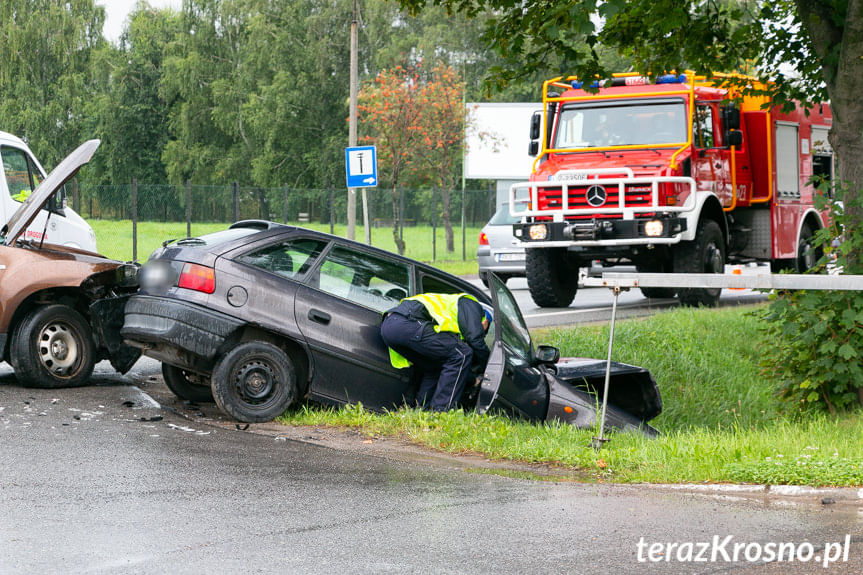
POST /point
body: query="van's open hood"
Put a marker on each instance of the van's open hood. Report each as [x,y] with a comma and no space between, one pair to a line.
[64,172]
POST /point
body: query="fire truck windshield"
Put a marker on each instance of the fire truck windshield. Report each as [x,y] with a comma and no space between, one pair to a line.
[588,125]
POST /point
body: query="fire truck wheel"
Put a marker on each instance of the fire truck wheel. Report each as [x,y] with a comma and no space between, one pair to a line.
[706,254]
[656,292]
[551,278]
[807,254]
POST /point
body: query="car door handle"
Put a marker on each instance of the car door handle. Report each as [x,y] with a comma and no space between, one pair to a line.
[319,316]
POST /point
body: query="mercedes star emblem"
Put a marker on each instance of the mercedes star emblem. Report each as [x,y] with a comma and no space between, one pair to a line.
[596,196]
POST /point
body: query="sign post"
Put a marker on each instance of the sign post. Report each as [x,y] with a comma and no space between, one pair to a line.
[361,166]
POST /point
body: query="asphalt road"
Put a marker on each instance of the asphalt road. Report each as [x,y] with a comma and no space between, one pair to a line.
[99,479]
[593,305]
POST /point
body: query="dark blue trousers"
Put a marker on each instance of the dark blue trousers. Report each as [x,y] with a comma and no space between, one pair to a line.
[443,358]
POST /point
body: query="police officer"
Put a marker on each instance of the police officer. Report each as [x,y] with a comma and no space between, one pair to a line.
[444,336]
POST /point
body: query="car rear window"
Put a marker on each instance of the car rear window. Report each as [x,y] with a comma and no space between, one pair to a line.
[221,237]
[502,217]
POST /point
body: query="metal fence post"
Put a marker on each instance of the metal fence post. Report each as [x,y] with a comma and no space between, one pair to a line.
[434,223]
[236,194]
[135,220]
[332,210]
[188,208]
[285,203]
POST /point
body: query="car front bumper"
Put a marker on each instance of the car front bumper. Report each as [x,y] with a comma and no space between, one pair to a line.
[176,332]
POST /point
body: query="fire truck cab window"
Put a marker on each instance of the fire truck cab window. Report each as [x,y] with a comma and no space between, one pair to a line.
[624,124]
[702,127]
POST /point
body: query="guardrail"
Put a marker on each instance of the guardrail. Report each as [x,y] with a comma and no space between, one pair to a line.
[618,282]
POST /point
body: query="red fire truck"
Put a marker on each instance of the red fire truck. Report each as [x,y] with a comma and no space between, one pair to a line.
[671,175]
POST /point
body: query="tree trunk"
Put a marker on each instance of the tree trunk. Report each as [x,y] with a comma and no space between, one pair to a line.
[837,39]
[400,245]
[447,223]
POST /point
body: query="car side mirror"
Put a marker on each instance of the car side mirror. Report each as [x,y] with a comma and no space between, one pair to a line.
[730,117]
[547,354]
[734,138]
[533,148]
[535,123]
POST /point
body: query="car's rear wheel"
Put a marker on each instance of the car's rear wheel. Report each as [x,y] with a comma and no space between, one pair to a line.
[256,381]
[186,384]
[52,347]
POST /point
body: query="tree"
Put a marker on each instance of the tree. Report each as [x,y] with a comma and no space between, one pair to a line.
[822,39]
[46,76]
[389,112]
[441,138]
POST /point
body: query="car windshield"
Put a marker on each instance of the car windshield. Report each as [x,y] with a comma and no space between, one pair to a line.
[621,124]
[513,330]
[502,217]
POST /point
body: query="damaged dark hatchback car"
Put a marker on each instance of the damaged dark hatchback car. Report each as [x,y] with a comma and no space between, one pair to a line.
[262,315]
[61,308]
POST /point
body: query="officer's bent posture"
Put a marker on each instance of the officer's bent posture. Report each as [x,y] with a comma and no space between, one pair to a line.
[444,336]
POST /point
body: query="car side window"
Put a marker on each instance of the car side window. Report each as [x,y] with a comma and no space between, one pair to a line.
[431,284]
[287,259]
[365,279]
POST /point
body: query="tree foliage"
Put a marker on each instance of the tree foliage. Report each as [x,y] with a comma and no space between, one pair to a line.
[46,75]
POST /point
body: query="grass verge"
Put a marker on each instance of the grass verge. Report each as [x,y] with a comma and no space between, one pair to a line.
[114,238]
[721,421]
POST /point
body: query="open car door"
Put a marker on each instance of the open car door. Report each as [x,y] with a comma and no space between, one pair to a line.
[493,374]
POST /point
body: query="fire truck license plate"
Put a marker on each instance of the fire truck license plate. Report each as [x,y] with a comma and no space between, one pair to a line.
[568,177]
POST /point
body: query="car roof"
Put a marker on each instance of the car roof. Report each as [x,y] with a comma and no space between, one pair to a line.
[269,229]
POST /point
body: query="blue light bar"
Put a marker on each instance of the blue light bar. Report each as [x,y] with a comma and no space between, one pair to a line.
[671,79]
[576,85]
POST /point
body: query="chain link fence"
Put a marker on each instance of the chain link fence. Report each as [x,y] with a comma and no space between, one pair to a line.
[123,214]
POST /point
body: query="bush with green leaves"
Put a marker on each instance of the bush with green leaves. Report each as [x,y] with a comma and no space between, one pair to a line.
[813,341]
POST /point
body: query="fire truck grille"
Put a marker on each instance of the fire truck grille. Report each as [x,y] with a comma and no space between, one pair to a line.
[635,197]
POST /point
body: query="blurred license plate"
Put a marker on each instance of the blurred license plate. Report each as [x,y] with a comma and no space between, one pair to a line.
[510,257]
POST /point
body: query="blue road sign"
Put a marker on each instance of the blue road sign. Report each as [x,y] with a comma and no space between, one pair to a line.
[361,165]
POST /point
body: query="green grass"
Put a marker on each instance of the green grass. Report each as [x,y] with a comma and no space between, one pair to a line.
[114,239]
[721,421]
[822,451]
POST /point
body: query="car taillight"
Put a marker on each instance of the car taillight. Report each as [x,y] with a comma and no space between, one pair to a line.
[198,278]
[483,239]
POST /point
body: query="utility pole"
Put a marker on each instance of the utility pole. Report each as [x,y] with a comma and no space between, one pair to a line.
[352,126]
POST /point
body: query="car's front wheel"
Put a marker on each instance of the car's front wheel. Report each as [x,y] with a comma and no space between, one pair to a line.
[255,382]
[186,384]
[52,347]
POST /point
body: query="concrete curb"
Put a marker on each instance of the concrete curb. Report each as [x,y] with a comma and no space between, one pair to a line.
[825,495]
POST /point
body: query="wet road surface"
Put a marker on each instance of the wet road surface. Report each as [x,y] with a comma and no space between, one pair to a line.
[101,480]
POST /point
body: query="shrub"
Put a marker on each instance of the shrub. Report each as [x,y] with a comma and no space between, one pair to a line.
[813,345]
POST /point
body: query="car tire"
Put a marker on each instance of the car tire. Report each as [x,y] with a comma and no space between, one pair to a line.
[53,347]
[255,382]
[184,384]
[551,279]
[705,254]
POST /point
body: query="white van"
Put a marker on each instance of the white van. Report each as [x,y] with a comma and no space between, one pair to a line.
[22,172]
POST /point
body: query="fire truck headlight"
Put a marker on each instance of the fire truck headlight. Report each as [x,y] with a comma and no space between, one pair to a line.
[653,228]
[538,232]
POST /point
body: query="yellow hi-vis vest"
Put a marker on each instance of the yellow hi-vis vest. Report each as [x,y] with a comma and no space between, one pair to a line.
[443,309]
